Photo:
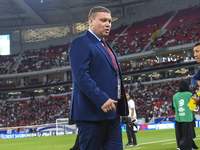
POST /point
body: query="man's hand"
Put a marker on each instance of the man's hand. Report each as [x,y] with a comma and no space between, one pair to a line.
[198,83]
[109,105]
[197,100]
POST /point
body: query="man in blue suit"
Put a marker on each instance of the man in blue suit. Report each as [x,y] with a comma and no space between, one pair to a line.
[196,78]
[98,97]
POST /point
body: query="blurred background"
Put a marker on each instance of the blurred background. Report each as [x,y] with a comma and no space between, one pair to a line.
[153,40]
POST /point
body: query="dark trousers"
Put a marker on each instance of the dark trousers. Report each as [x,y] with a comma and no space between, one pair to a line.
[76,145]
[131,135]
[100,135]
[184,135]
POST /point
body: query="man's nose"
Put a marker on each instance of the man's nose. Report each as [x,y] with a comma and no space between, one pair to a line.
[108,23]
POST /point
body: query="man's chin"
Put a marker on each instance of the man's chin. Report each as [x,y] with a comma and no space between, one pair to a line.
[106,34]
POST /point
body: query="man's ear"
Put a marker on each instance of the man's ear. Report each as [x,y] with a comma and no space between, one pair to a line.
[90,20]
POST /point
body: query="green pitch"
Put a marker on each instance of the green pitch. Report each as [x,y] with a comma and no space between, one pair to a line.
[147,140]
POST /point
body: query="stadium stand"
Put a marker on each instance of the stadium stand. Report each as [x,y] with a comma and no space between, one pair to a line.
[138,35]
[184,28]
[44,58]
[34,110]
[133,40]
[153,98]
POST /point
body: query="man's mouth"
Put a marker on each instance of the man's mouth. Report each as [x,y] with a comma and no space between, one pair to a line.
[107,30]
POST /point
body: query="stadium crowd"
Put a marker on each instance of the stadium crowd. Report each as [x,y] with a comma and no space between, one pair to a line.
[34,111]
[152,99]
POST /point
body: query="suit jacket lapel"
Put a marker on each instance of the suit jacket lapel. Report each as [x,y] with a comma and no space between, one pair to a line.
[101,47]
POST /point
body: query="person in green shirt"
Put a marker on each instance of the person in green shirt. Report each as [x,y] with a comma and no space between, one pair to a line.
[184,117]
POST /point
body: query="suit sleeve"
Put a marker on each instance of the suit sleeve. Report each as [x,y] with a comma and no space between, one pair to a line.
[195,78]
[79,54]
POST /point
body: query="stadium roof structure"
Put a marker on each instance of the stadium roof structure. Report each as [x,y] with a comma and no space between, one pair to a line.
[26,14]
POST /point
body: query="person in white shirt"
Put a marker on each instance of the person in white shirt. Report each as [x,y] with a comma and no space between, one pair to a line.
[129,128]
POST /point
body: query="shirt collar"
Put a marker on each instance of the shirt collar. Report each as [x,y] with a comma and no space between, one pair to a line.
[94,34]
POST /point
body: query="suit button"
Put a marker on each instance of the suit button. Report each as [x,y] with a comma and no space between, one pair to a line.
[116,87]
[116,75]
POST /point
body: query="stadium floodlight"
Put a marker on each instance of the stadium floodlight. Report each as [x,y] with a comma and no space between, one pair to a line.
[61,124]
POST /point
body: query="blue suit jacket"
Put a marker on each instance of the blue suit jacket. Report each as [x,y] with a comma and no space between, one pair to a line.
[94,80]
[195,78]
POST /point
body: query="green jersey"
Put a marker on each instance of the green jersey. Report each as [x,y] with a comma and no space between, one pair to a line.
[182,111]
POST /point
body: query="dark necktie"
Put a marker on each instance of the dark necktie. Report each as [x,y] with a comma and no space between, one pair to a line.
[110,53]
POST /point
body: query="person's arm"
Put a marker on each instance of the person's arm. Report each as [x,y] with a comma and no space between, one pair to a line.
[197,100]
[196,79]
[132,113]
[132,105]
